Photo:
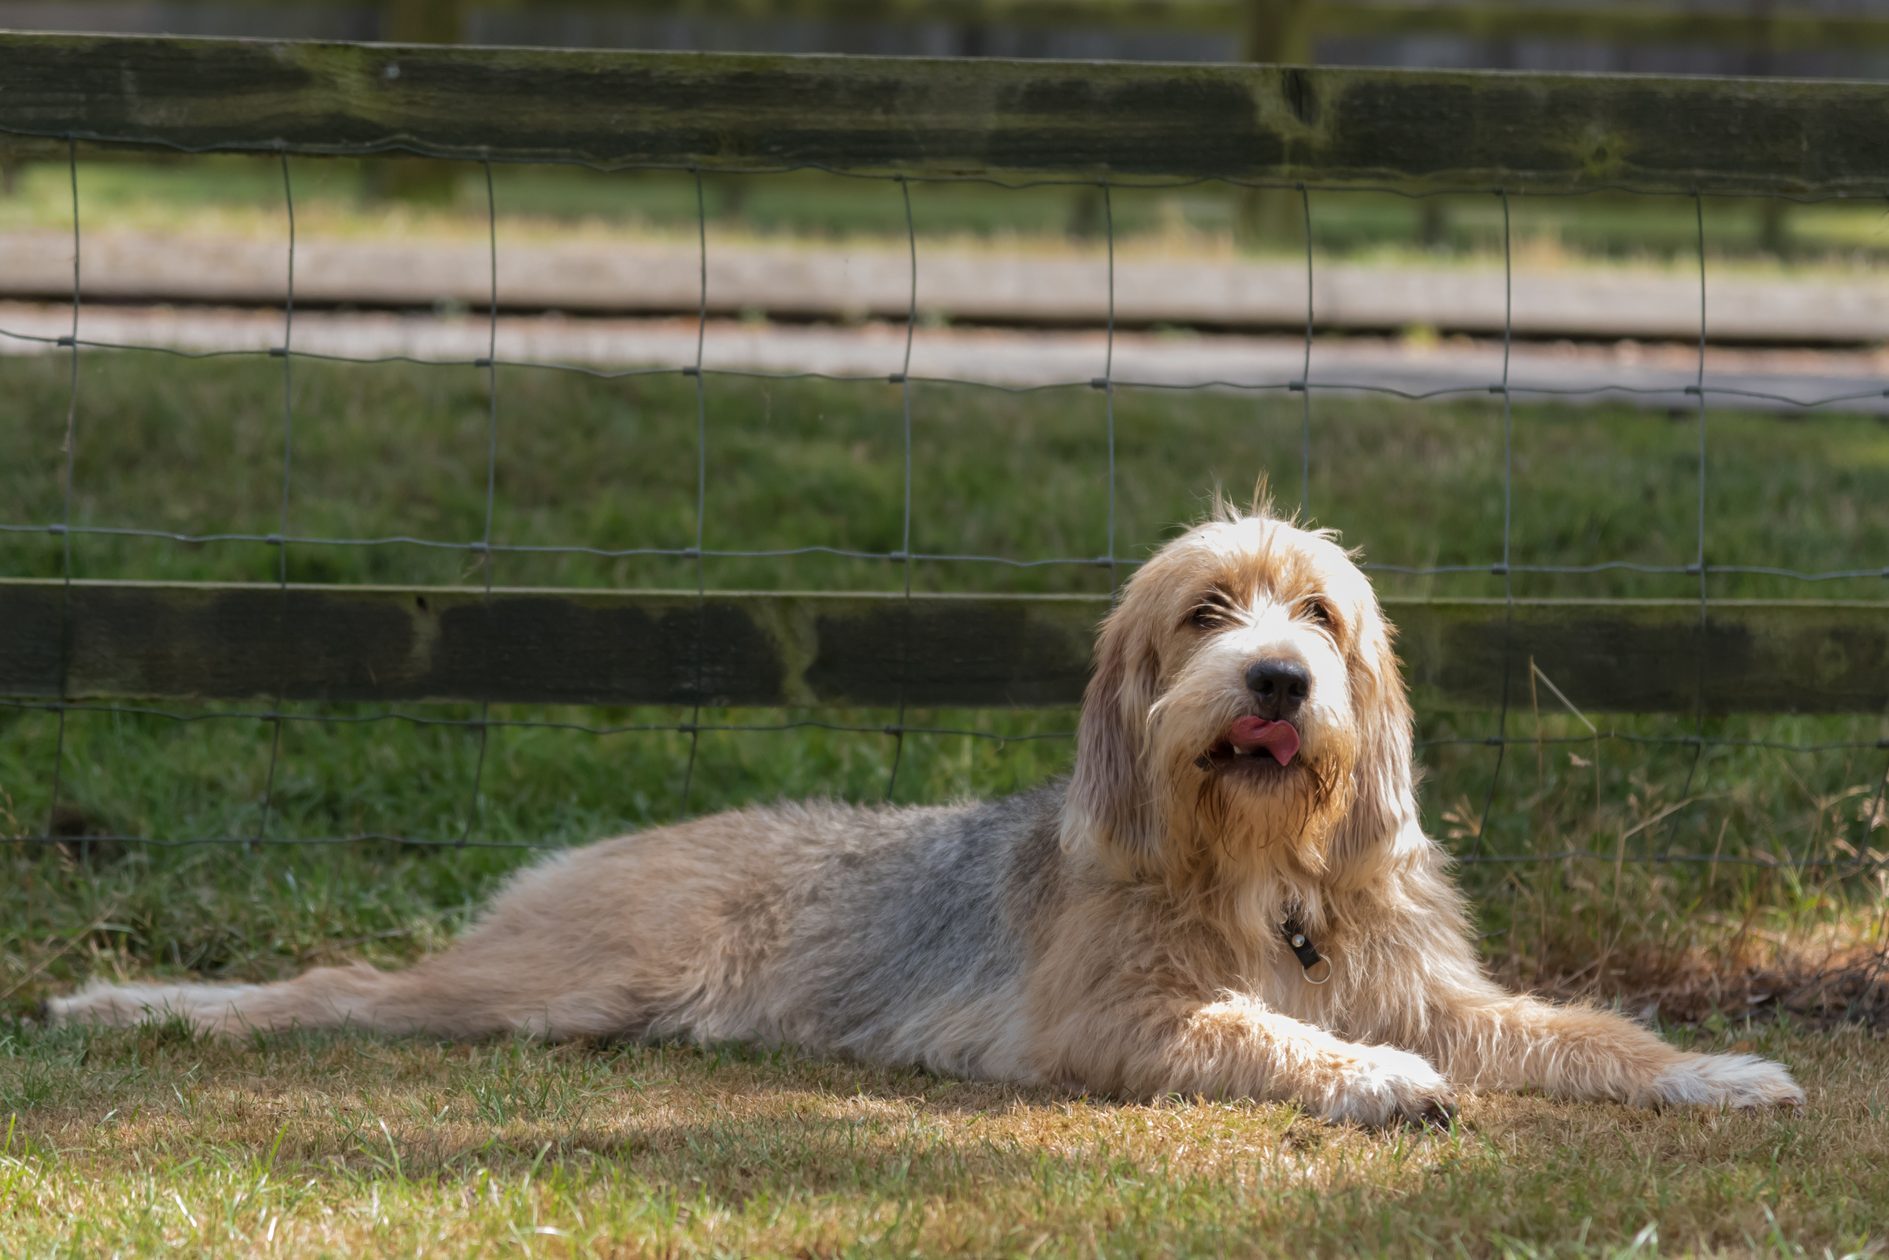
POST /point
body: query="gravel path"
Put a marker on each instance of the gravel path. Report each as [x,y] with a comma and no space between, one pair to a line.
[1653,375]
[1064,287]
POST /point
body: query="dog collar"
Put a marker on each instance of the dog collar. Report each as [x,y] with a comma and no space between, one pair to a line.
[1309,957]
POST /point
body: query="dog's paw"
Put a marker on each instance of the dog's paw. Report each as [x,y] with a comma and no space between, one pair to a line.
[1727,1080]
[1379,1085]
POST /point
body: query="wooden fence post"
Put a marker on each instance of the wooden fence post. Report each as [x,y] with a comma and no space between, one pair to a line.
[417,22]
[1278,32]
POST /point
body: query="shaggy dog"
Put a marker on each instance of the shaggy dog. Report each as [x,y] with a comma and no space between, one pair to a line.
[1231,896]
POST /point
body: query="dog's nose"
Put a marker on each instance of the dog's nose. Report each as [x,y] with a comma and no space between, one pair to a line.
[1279,686]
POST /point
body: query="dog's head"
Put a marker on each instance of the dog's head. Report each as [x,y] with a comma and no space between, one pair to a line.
[1246,708]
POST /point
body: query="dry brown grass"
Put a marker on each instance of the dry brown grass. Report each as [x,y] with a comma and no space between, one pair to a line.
[147,1141]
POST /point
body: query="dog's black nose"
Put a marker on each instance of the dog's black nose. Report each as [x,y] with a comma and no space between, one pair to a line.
[1279,686]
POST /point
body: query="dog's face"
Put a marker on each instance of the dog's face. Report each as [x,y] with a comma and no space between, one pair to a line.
[1244,701]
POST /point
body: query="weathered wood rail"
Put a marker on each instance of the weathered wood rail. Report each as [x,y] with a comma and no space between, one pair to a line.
[232,642]
[1769,27]
[1416,130]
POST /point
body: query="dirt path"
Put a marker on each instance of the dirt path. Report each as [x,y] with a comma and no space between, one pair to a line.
[1065,288]
[1654,376]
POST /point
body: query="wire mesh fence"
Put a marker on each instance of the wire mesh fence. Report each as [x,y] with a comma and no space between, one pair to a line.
[696,692]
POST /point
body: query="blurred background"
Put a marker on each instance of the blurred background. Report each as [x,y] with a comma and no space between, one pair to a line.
[1807,37]
[1405,289]
[795,290]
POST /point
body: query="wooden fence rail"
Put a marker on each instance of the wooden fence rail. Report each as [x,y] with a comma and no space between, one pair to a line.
[1416,130]
[1759,24]
[349,643]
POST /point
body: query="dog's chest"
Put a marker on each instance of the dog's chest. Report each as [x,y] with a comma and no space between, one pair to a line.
[1298,964]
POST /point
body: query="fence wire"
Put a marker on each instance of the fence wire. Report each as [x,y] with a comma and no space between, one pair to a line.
[278,716]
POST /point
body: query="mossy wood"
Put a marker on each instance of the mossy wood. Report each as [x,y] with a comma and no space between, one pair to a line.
[1770,27]
[920,116]
[212,642]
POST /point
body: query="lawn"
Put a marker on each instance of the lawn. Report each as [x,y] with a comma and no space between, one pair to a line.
[241,196]
[144,1140]
[148,1142]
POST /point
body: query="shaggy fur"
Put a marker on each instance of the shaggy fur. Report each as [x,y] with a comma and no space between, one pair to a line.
[1118,933]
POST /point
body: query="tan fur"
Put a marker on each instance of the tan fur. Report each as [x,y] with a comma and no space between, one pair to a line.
[1118,934]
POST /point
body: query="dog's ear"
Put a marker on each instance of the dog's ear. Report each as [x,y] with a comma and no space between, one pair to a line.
[1382,819]
[1112,809]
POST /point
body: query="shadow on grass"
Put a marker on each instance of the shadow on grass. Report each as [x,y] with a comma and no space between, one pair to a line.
[767,1142]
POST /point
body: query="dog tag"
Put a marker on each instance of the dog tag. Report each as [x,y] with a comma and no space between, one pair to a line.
[1317,967]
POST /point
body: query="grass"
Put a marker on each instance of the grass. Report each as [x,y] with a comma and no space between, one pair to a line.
[242,196]
[147,1140]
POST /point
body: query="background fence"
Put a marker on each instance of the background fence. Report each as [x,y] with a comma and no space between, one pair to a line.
[919,624]
[1816,37]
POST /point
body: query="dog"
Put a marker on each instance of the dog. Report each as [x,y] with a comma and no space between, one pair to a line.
[1231,896]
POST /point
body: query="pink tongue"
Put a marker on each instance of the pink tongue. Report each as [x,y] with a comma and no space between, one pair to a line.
[1281,739]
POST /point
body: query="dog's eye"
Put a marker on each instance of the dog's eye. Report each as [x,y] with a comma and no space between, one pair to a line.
[1211,610]
[1318,610]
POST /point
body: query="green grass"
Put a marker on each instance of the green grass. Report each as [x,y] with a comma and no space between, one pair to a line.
[243,196]
[143,1140]
[391,449]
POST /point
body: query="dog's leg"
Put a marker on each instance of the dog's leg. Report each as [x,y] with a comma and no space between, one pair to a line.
[620,939]
[448,996]
[1238,1048]
[540,962]
[1485,1038]
[328,997]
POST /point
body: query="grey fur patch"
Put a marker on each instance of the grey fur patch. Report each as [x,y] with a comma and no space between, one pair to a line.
[926,922]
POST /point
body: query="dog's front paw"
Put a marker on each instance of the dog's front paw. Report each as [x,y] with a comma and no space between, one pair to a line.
[1727,1080]
[1379,1085]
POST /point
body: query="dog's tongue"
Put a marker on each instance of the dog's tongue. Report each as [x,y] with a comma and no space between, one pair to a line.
[1281,739]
